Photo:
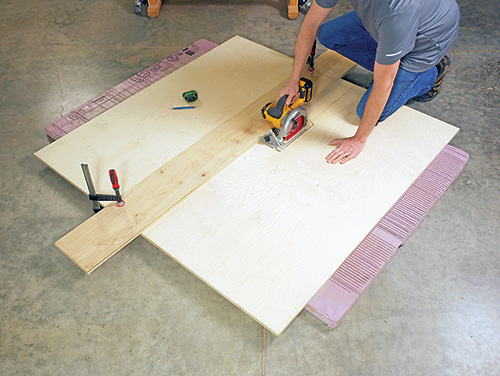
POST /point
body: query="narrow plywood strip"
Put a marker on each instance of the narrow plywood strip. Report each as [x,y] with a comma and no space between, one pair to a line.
[104,234]
[270,230]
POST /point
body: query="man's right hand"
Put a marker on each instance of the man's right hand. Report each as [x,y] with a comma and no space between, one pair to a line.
[292,90]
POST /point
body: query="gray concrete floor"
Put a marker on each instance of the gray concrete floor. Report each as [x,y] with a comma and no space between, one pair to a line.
[435,310]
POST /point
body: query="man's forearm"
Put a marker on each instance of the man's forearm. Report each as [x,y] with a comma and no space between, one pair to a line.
[383,80]
[373,109]
[307,34]
[303,45]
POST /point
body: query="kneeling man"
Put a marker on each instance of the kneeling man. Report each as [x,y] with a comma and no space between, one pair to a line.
[403,42]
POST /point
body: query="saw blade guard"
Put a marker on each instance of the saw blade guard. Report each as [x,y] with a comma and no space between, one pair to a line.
[292,123]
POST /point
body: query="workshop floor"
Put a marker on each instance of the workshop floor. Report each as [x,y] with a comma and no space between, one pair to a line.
[435,310]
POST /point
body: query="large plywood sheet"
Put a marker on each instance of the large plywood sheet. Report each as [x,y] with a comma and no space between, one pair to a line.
[269,230]
[187,159]
[143,133]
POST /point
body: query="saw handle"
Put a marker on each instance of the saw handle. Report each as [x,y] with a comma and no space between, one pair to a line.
[277,111]
[274,114]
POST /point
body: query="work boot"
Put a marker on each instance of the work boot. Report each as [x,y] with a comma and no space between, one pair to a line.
[442,68]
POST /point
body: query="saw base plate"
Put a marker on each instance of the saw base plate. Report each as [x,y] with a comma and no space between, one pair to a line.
[272,139]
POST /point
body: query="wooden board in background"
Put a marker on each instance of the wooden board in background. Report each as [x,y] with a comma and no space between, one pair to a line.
[270,230]
[293,9]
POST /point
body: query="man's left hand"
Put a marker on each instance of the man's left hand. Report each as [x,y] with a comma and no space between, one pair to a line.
[348,148]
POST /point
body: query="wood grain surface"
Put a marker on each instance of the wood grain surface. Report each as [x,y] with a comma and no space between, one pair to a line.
[269,230]
[143,133]
[189,165]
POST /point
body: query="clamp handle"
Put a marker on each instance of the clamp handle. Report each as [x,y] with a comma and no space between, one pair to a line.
[114,179]
[113,176]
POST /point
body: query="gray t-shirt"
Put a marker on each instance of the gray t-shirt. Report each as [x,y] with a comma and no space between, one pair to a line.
[419,32]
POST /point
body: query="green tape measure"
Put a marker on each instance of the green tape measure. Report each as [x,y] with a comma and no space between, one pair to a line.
[190,96]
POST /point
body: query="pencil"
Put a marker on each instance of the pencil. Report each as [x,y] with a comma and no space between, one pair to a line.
[183,107]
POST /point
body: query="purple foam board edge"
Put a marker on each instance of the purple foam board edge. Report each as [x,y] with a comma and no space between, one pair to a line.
[127,88]
[341,292]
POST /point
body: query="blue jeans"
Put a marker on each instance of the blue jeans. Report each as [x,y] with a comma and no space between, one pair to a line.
[347,36]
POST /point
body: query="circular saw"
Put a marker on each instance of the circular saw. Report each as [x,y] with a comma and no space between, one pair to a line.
[289,122]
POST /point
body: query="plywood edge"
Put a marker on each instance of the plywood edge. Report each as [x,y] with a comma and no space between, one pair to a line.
[313,310]
[58,172]
[407,108]
[237,39]
[209,285]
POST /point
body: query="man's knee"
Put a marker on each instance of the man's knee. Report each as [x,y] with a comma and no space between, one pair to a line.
[321,36]
[330,35]
[360,109]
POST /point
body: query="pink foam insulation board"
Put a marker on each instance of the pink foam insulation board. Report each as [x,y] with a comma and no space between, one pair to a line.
[357,272]
[126,89]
